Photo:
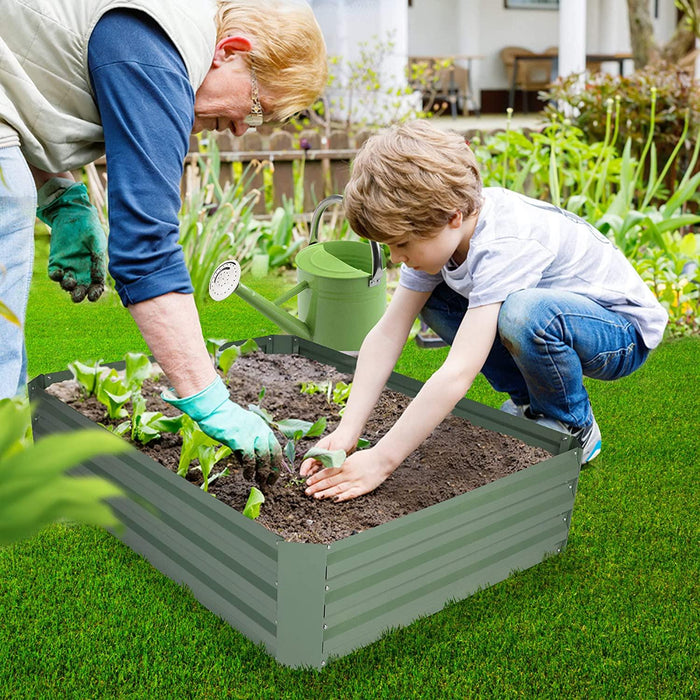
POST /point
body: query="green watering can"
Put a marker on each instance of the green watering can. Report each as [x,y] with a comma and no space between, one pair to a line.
[341,289]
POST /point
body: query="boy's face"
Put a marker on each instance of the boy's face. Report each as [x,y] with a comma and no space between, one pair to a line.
[429,254]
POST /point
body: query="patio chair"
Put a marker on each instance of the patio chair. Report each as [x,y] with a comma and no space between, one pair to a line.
[532,74]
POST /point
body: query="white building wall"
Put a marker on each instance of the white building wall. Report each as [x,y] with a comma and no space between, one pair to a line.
[475,27]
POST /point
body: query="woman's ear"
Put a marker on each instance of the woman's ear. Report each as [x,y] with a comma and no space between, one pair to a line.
[228,47]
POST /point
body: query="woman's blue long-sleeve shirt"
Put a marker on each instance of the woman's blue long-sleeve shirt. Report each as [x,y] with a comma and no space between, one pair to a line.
[146,105]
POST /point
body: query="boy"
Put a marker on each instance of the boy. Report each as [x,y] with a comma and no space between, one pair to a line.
[528,294]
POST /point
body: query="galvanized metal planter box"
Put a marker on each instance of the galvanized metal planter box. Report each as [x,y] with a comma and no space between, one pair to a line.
[310,602]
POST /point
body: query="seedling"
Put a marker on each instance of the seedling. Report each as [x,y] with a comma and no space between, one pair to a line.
[86,375]
[146,425]
[112,393]
[208,456]
[328,458]
[252,506]
[337,394]
[332,458]
[225,358]
[294,430]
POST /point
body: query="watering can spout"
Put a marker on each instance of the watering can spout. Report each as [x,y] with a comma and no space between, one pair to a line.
[227,279]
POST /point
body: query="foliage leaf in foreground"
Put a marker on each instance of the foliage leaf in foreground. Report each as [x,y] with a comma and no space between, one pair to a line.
[35,489]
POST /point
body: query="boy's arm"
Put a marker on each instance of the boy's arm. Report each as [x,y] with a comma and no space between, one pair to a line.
[366,469]
[378,354]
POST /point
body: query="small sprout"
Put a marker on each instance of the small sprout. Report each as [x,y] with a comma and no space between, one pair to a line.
[259,410]
[252,506]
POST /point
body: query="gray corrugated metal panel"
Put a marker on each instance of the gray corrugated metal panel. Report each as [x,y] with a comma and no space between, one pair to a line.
[360,549]
[181,558]
[218,599]
[459,584]
[301,590]
[434,553]
[350,603]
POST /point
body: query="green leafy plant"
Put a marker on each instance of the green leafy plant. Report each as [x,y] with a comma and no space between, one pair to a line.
[294,430]
[216,222]
[328,458]
[146,426]
[224,357]
[36,489]
[674,93]
[112,393]
[253,504]
[197,445]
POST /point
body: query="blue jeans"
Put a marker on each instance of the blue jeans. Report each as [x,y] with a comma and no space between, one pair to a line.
[17,214]
[547,341]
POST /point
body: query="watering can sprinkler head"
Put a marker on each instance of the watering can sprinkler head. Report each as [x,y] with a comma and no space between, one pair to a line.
[225,280]
[341,291]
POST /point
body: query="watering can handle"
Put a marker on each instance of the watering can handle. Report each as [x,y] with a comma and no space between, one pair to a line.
[313,237]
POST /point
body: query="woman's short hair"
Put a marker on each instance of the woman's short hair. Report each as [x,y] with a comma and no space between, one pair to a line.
[410,180]
[288,53]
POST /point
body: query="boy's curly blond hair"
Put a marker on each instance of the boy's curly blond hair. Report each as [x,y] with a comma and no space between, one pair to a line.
[409,181]
[289,52]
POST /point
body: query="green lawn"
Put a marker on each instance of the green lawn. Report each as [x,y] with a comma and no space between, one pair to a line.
[615,616]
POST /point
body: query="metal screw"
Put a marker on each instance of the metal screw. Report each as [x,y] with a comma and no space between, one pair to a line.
[327,588]
[325,627]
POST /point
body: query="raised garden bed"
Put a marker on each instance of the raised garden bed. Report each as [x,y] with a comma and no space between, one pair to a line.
[310,600]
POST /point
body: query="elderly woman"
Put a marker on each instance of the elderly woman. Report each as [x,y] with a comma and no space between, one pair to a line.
[132,79]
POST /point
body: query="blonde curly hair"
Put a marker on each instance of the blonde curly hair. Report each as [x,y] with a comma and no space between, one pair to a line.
[288,51]
[409,181]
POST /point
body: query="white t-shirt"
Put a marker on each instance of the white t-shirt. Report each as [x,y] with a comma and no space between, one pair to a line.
[523,243]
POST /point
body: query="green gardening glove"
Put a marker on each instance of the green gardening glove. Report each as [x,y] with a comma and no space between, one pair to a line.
[78,241]
[246,433]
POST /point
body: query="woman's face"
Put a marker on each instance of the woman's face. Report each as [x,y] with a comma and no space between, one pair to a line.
[224,99]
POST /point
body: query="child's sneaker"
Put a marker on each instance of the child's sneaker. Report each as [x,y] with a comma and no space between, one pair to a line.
[513,409]
[589,436]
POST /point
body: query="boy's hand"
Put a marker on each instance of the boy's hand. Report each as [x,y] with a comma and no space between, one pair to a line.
[361,473]
[333,441]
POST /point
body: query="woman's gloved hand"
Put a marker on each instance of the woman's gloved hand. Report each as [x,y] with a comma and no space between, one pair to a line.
[246,433]
[77,258]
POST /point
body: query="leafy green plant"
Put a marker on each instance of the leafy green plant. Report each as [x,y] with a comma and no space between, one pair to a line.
[675,94]
[294,430]
[252,506]
[198,445]
[112,392]
[673,274]
[36,490]
[146,426]
[224,357]
[328,458]
[217,222]
[86,375]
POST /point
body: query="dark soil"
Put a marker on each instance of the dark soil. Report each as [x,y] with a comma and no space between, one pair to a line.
[456,458]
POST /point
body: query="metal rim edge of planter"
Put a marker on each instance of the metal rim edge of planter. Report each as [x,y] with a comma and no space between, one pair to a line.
[310,602]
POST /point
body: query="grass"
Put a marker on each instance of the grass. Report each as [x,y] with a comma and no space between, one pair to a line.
[614,616]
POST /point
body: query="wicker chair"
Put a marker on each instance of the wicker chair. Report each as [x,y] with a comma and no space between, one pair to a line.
[532,74]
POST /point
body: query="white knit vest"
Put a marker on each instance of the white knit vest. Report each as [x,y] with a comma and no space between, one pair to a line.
[46,101]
